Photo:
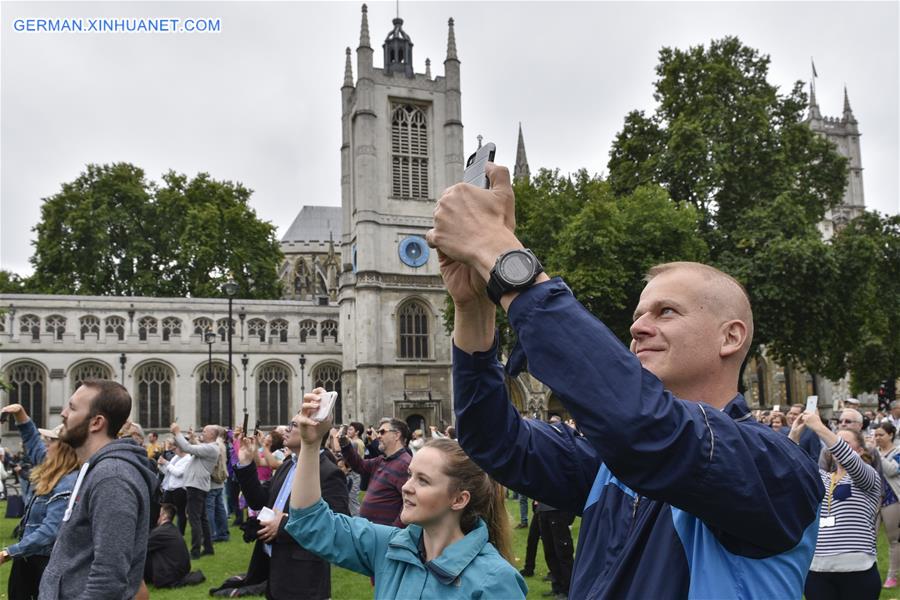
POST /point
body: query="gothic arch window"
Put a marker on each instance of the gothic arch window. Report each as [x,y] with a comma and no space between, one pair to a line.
[202,325]
[28,387]
[147,326]
[215,401]
[115,326]
[89,324]
[414,330]
[2,323]
[328,376]
[256,328]
[89,370]
[330,330]
[31,325]
[154,391]
[278,330]
[56,324]
[273,397]
[307,329]
[222,329]
[170,326]
[409,152]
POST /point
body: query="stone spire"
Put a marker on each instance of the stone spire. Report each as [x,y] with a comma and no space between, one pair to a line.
[813,105]
[348,70]
[521,170]
[451,41]
[398,49]
[428,68]
[364,28]
[848,113]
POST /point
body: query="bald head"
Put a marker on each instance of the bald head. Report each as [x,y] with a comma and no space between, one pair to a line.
[720,292]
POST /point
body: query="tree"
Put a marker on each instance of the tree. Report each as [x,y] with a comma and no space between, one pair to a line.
[727,142]
[112,232]
[10,283]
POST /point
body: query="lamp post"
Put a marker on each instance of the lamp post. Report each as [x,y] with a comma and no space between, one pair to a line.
[244,361]
[209,338]
[242,315]
[122,361]
[230,288]
[302,377]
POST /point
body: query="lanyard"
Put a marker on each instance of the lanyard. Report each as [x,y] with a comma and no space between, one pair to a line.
[834,481]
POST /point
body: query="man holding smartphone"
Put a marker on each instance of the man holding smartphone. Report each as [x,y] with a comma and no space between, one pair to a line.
[681,493]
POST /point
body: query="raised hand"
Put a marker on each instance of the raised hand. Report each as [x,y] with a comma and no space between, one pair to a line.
[17,411]
[312,431]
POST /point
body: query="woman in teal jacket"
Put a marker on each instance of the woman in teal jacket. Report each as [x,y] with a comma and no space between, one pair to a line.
[458,531]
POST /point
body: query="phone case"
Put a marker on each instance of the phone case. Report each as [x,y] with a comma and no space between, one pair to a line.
[326,403]
[474,173]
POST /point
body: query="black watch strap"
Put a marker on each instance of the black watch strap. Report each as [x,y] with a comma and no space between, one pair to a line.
[497,286]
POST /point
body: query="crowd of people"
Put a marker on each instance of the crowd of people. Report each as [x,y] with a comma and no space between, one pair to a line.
[680,490]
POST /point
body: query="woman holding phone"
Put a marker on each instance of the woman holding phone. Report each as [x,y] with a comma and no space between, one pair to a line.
[457,541]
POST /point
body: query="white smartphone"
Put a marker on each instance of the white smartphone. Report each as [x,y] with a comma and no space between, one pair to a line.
[812,402]
[326,404]
[475,166]
[265,515]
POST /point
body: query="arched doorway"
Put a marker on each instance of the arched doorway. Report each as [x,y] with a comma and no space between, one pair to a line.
[416,422]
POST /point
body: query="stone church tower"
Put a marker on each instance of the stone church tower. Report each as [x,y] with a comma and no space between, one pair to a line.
[402,145]
[844,132]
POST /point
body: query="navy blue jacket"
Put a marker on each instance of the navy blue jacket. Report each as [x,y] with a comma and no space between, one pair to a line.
[678,499]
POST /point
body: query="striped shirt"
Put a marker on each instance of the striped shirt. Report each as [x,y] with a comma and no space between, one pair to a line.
[853,501]
[387,474]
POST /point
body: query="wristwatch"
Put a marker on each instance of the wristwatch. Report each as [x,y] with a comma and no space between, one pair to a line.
[514,270]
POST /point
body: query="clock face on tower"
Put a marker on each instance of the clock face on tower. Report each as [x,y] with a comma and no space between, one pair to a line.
[413,251]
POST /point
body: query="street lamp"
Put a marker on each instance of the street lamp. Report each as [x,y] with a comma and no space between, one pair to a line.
[230,288]
[209,338]
[302,377]
[122,361]
[244,361]
[242,315]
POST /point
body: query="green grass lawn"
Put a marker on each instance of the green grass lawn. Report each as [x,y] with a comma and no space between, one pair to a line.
[232,557]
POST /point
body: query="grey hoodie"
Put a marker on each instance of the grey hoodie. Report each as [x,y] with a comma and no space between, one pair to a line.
[101,548]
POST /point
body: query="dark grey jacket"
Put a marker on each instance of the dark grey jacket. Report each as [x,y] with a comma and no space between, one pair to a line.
[101,548]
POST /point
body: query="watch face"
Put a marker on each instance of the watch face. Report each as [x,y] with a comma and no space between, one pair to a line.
[517,268]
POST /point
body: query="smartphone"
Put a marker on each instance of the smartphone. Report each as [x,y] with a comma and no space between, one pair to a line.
[246,418]
[812,403]
[3,417]
[474,173]
[265,515]
[326,404]
[256,429]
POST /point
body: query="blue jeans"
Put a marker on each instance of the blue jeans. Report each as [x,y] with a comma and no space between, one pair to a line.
[523,509]
[218,518]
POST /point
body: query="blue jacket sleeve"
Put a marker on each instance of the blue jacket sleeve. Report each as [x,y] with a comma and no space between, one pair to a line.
[45,535]
[354,543]
[549,463]
[755,489]
[31,439]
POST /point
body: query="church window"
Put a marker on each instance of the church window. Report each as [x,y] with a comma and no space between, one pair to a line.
[278,330]
[330,330]
[222,329]
[256,328]
[147,326]
[154,390]
[409,152]
[31,324]
[307,330]
[170,326]
[202,325]
[273,398]
[328,376]
[88,370]
[215,400]
[28,387]
[56,325]
[115,326]
[89,324]
[414,331]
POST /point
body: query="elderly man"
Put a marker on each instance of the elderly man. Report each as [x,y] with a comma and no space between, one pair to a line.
[852,420]
[197,482]
[682,494]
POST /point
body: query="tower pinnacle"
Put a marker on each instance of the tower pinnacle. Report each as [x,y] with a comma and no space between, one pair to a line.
[364,28]
[348,70]
[521,170]
[451,41]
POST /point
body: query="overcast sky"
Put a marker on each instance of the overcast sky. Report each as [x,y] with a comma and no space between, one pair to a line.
[259,102]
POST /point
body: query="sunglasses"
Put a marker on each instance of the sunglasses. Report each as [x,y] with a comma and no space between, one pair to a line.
[848,421]
[384,431]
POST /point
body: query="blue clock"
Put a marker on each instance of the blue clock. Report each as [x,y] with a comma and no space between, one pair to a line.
[414,251]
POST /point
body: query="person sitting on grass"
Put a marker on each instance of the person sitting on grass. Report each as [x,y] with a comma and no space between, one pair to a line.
[457,541]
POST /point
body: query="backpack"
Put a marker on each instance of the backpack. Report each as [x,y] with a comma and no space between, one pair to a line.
[220,471]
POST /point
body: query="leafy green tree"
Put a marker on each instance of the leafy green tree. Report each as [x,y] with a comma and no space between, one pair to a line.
[727,142]
[10,283]
[113,232]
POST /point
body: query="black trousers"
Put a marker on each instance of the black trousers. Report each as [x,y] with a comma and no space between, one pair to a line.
[178,498]
[855,585]
[534,536]
[558,548]
[232,491]
[196,511]
[25,577]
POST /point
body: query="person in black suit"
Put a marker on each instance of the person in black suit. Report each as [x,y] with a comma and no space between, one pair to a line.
[168,561]
[288,562]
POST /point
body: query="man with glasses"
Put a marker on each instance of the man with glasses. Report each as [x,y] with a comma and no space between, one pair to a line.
[387,474]
[852,420]
[288,562]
